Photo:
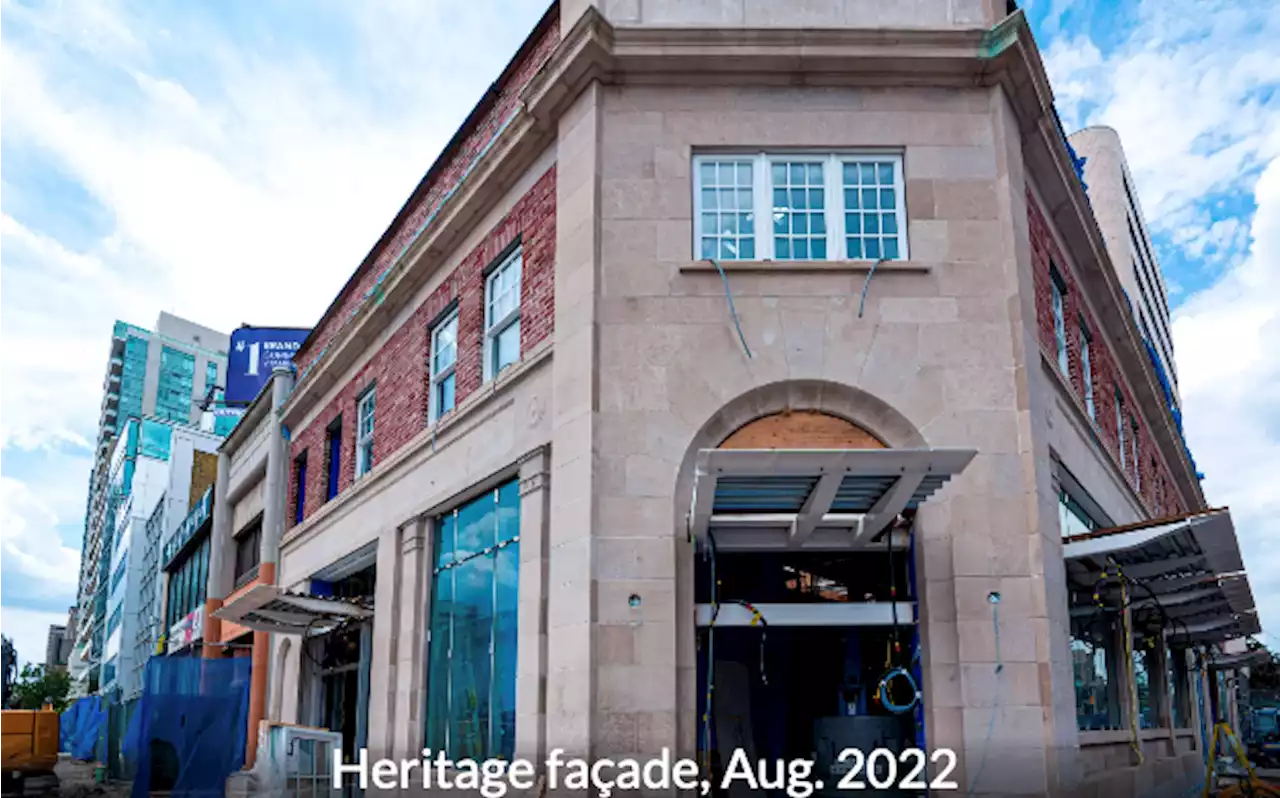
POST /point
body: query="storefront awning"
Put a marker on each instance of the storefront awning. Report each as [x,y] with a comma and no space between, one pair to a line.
[267,608]
[812,499]
[1189,566]
[1202,541]
[1244,659]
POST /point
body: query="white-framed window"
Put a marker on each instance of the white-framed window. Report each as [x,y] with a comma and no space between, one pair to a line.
[1086,369]
[502,316]
[1058,292]
[364,433]
[444,361]
[1124,444]
[815,206]
[1137,461]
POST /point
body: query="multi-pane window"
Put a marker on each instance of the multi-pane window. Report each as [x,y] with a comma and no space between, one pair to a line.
[471,667]
[118,576]
[800,207]
[871,202]
[444,361]
[248,552]
[1097,707]
[1137,462]
[1124,443]
[299,488]
[799,210]
[502,316]
[727,208]
[364,433]
[133,375]
[333,458]
[175,385]
[210,375]
[114,621]
[157,439]
[1086,368]
[187,585]
[1058,291]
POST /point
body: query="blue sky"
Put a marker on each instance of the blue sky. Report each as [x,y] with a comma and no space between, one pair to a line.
[212,160]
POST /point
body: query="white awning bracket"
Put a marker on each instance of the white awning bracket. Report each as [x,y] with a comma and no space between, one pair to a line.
[813,500]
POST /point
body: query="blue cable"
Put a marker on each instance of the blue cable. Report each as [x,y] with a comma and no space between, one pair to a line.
[733,313]
[887,702]
[994,598]
[862,301]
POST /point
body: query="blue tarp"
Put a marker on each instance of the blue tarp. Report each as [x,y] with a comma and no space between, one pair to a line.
[80,727]
[189,731]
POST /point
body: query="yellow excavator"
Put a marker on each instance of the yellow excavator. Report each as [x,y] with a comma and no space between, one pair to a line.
[28,746]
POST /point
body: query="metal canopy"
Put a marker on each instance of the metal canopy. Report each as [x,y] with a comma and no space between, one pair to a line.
[1192,564]
[1204,542]
[812,499]
[267,608]
[1243,659]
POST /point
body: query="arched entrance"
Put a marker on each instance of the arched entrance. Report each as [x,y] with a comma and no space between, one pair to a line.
[800,500]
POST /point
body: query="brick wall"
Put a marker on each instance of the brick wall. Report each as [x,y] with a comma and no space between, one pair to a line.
[430,196]
[1153,480]
[399,369]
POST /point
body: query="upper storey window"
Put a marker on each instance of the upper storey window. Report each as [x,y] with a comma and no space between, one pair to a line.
[444,362]
[1059,289]
[823,206]
[502,316]
[364,433]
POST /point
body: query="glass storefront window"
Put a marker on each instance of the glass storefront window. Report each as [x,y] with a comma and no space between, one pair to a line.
[471,670]
[1176,677]
[187,585]
[1142,661]
[1096,707]
[1072,518]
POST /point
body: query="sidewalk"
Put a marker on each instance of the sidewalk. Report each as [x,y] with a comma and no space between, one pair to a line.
[75,780]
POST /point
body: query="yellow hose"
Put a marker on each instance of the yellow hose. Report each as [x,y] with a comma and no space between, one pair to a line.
[1134,726]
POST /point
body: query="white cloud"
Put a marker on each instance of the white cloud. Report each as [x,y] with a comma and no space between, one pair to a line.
[27,536]
[1228,343]
[29,631]
[242,178]
[1185,92]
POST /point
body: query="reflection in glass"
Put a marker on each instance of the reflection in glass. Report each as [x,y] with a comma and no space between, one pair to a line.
[472,658]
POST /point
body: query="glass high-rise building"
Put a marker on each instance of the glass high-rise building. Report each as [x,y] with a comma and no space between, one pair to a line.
[160,374]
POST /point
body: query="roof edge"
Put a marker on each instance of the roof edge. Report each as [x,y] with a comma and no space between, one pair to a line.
[469,125]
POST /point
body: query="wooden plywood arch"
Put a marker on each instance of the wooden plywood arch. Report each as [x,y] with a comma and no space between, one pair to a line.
[801,429]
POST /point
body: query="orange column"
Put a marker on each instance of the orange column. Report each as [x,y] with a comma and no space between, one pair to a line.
[212,630]
[258,675]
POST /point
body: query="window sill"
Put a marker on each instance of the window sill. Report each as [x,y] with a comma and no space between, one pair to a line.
[805,266]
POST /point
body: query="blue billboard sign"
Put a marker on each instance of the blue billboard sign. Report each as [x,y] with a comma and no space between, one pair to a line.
[255,351]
